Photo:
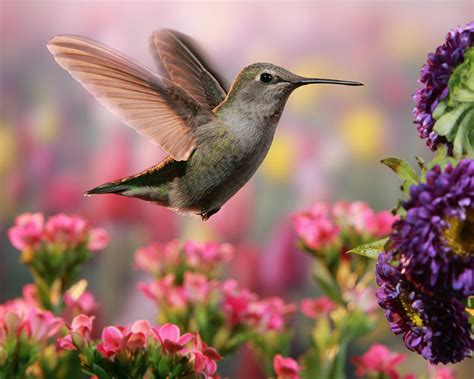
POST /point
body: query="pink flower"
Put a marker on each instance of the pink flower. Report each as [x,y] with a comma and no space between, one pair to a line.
[315,308]
[156,257]
[67,230]
[384,222]
[30,295]
[205,357]
[85,303]
[114,340]
[379,360]
[270,314]
[170,337]
[27,232]
[362,298]
[139,332]
[197,286]
[441,373]
[42,325]
[285,368]
[236,301]
[164,291]
[98,239]
[315,227]
[207,253]
[82,325]
[66,343]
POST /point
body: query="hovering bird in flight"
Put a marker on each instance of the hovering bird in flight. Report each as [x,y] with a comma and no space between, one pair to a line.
[215,140]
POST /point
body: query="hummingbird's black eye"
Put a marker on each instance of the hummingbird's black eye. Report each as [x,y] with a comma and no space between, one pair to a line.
[266,77]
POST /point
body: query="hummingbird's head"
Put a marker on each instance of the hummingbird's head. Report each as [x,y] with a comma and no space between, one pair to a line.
[263,88]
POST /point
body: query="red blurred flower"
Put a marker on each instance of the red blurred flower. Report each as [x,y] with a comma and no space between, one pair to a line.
[67,230]
[315,227]
[98,239]
[207,253]
[380,360]
[285,368]
[236,301]
[269,314]
[315,308]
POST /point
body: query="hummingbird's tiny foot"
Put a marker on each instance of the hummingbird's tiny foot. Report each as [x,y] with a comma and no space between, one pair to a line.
[205,215]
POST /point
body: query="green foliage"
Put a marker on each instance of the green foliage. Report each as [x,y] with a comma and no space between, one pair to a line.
[370,250]
[455,115]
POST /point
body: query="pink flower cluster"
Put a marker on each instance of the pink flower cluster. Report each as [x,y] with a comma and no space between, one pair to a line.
[196,287]
[117,339]
[322,224]
[30,230]
[242,306]
[18,317]
[163,258]
[314,308]
[379,360]
[285,368]
[364,219]
[74,305]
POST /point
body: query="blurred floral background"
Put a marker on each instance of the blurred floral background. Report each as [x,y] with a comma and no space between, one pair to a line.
[56,141]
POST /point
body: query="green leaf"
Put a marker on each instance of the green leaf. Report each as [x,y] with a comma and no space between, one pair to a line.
[100,372]
[370,250]
[464,141]
[402,169]
[448,124]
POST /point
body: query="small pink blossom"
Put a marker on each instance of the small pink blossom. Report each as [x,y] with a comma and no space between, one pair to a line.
[362,298]
[236,301]
[197,286]
[18,316]
[384,222]
[82,325]
[164,291]
[170,337]
[66,343]
[85,303]
[205,357]
[27,231]
[98,239]
[139,332]
[441,373]
[285,368]
[315,227]
[270,314]
[30,295]
[380,360]
[67,230]
[42,325]
[207,253]
[156,257]
[315,308]
[114,340]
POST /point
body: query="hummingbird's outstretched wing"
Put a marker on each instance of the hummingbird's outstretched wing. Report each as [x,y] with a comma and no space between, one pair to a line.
[152,105]
[178,58]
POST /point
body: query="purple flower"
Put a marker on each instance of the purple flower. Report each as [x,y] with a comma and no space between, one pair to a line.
[435,242]
[435,327]
[434,79]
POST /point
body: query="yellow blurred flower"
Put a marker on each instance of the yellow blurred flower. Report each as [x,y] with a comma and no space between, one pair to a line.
[45,123]
[363,133]
[281,158]
[8,148]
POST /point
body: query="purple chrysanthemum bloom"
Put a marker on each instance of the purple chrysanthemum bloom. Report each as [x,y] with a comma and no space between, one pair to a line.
[435,241]
[435,327]
[434,79]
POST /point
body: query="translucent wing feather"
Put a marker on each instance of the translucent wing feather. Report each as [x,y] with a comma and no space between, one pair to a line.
[150,104]
[178,59]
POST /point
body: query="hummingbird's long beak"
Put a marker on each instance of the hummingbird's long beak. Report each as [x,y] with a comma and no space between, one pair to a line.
[304,81]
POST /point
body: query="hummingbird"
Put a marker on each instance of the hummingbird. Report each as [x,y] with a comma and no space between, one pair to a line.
[214,140]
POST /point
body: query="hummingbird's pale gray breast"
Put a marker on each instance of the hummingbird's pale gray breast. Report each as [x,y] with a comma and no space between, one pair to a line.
[215,140]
